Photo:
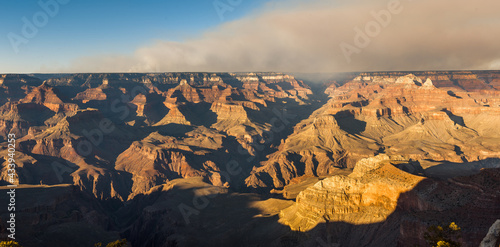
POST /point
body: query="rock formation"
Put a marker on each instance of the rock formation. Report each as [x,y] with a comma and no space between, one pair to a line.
[382,114]
[373,162]
[393,208]
[137,108]
[492,239]
[158,159]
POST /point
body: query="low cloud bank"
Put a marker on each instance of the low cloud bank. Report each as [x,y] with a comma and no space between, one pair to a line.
[330,36]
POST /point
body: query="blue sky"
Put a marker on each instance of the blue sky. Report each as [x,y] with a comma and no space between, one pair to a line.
[87,27]
[253,35]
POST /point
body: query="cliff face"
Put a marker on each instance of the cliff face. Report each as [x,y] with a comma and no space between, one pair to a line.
[406,116]
[142,144]
[381,205]
[91,94]
[493,236]
[369,195]
[158,159]
[229,112]
[78,149]
[40,106]
[174,125]
[46,95]
[457,80]
[420,116]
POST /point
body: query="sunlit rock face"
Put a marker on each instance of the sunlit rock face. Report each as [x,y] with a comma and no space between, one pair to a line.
[371,160]
[369,195]
[118,135]
[381,205]
[439,116]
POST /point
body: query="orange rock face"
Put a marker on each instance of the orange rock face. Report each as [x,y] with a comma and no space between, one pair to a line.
[42,94]
[383,113]
[91,94]
[217,109]
[416,146]
[379,204]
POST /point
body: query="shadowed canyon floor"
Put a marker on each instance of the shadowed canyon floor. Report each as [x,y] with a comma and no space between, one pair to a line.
[251,159]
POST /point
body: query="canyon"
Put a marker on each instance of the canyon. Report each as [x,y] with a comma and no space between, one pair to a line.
[252,159]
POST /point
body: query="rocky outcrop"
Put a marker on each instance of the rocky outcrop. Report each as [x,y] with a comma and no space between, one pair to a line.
[174,115]
[76,145]
[232,112]
[380,113]
[370,194]
[457,80]
[158,159]
[46,95]
[184,93]
[139,102]
[302,154]
[17,118]
[152,166]
[91,94]
[19,80]
[150,106]
[18,128]
[492,239]
[42,94]
[146,103]
[379,204]
[146,145]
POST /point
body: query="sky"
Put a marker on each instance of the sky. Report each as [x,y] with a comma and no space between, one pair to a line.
[307,36]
